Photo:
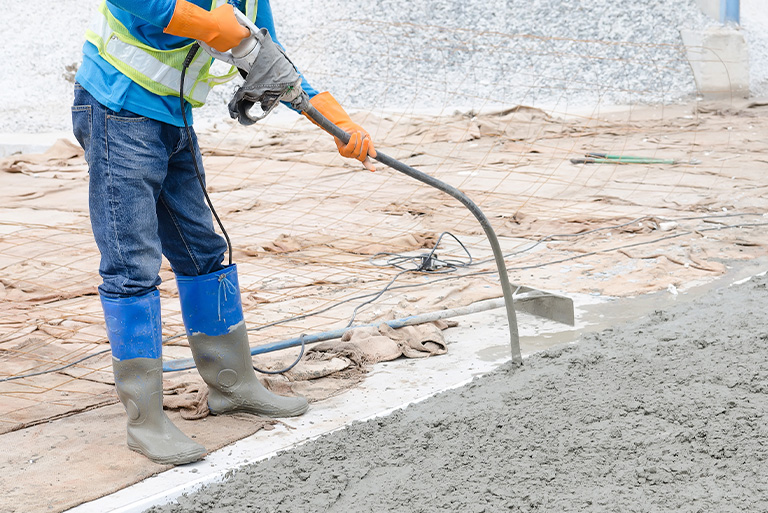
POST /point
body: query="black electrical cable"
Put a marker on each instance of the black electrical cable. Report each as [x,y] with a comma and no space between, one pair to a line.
[187,61]
[480,273]
[427,262]
[57,369]
[362,296]
[302,338]
[376,296]
[425,265]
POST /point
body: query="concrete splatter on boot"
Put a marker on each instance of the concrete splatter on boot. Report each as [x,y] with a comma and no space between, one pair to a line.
[139,383]
[225,364]
[133,328]
[213,317]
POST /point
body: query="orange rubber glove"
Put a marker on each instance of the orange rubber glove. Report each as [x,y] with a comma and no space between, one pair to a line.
[218,28]
[360,145]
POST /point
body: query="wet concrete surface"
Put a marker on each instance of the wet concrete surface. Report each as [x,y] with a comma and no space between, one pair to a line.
[662,411]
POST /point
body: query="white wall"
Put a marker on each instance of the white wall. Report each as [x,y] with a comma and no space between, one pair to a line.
[754,23]
[754,27]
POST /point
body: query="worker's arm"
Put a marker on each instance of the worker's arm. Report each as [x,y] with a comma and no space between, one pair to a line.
[217,28]
[360,144]
[156,12]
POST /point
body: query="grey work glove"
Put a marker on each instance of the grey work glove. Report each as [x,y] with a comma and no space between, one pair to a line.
[272,78]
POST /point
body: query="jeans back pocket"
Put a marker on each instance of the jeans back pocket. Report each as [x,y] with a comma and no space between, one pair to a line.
[82,126]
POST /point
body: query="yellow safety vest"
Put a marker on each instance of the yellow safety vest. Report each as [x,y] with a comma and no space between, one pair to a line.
[158,71]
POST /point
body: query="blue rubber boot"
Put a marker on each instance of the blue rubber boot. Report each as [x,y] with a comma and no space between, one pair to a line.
[133,328]
[213,317]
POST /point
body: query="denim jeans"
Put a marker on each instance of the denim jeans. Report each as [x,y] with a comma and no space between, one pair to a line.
[144,197]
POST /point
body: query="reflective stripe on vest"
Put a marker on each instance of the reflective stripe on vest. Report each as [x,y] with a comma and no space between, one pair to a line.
[250,9]
[158,71]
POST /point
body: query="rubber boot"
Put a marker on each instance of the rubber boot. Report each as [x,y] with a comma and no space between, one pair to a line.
[133,327]
[139,383]
[213,317]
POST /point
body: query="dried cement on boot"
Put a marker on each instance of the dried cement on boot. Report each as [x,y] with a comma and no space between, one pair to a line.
[664,414]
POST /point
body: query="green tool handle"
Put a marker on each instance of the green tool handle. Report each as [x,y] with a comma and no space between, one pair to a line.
[591,160]
[600,158]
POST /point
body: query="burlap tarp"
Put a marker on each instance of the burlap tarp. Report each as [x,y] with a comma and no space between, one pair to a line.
[306,226]
[343,361]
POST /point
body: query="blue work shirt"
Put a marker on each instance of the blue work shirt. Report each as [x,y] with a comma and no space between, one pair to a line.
[146,19]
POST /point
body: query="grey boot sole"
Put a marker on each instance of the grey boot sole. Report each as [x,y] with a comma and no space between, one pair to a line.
[264,410]
[176,459]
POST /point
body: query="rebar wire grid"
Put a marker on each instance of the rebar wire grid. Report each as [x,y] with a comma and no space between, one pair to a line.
[309,229]
[506,288]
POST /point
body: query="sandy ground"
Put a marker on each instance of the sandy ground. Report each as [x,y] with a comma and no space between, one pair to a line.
[306,224]
[624,230]
[663,414]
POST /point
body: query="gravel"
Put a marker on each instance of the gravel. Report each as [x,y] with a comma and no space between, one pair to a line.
[399,54]
[42,52]
[441,53]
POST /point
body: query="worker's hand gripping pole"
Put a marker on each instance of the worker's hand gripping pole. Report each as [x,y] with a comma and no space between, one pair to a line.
[270,76]
[506,287]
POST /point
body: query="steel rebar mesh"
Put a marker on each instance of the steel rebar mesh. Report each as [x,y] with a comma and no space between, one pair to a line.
[305,224]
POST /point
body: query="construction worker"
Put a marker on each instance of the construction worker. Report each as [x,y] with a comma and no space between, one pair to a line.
[145,201]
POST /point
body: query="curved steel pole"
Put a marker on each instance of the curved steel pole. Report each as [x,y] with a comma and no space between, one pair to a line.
[514,338]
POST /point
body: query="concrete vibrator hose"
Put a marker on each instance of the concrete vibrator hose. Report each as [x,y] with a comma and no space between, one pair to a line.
[270,78]
[498,256]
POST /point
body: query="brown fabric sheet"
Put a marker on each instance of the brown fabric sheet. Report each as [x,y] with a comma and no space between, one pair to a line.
[62,456]
[306,224]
